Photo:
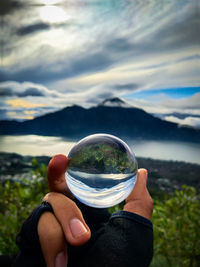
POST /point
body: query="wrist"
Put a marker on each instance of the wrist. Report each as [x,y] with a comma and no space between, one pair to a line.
[139,207]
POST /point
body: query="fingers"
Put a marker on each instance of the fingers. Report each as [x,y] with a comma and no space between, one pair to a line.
[140,201]
[70,218]
[66,224]
[56,175]
[52,241]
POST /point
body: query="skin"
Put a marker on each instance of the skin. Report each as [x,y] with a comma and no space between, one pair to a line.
[67,224]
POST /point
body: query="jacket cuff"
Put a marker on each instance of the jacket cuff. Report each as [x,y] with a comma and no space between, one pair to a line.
[132,216]
[29,234]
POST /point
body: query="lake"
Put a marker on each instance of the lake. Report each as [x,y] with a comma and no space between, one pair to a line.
[35,145]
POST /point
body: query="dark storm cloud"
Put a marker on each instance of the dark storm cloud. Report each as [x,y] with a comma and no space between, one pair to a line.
[71,67]
[3,75]
[8,6]
[105,95]
[31,92]
[90,62]
[100,97]
[118,44]
[126,86]
[32,28]
[113,50]
[173,35]
[180,34]
[7,91]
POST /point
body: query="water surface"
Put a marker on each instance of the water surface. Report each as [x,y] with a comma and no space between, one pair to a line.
[36,145]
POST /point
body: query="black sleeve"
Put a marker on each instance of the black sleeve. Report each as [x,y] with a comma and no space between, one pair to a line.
[126,240]
[30,253]
[121,240]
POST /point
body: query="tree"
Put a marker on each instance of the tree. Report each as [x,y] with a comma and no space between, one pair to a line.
[177,229]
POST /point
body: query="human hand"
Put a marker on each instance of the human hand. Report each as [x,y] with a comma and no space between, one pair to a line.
[58,227]
[140,201]
[67,224]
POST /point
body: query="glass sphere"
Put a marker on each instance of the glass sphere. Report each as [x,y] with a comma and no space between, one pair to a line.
[102,170]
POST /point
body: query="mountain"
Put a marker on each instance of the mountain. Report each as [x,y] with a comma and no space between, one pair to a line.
[76,122]
[115,102]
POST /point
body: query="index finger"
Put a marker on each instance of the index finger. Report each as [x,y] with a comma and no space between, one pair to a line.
[56,174]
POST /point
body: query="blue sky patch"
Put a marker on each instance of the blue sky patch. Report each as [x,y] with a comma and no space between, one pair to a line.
[175,93]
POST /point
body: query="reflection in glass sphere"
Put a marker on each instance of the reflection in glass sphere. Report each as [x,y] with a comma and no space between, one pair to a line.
[102,170]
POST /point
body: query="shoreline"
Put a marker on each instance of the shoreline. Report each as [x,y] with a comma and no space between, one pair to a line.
[162,174]
[33,145]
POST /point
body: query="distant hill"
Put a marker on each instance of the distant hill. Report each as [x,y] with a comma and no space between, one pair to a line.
[112,116]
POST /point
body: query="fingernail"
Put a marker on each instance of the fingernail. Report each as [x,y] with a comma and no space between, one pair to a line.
[61,260]
[77,228]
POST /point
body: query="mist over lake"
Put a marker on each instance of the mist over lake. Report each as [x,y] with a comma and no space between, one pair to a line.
[36,145]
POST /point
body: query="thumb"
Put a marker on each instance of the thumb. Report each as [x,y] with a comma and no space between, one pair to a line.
[70,218]
[140,201]
[56,175]
[140,186]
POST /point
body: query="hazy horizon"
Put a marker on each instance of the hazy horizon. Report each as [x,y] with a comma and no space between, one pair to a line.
[37,145]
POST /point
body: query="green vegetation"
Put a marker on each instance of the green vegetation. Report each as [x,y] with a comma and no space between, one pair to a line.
[177,229]
[18,199]
[176,218]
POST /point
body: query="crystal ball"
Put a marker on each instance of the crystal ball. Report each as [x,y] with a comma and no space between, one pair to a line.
[102,170]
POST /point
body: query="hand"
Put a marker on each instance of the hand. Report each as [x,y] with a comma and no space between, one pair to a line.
[67,222]
[140,201]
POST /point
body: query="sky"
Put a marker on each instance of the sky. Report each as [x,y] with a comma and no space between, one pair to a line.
[57,53]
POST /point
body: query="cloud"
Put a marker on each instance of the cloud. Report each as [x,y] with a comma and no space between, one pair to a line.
[6,92]
[35,100]
[18,116]
[32,28]
[9,112]
[191,121]
[126,86]
[31,92]
[118,44]
[181,30]
[190,103]
[8,6]
[12,89]
[98,93]
[162,104]
[131,43]
[107,51]
[20,103]
[47,72]
[177,29]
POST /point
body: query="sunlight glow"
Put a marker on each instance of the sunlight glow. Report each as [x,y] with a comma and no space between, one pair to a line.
[53,14]
[20,103]
[51,2]
[14,115]
[29,112]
